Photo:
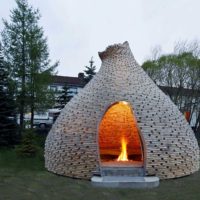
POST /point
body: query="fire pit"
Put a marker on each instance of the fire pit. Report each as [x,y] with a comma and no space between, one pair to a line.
[121,125]
[120,142]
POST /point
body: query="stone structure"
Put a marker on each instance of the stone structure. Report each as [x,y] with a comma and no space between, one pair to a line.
[169,146]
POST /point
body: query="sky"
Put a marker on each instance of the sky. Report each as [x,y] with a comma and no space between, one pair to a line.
[79,29]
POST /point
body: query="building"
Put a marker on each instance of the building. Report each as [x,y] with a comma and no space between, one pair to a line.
[74,83]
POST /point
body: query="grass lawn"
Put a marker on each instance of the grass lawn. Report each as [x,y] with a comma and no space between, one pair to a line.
[27,179]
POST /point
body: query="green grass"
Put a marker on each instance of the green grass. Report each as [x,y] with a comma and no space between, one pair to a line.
[27,179]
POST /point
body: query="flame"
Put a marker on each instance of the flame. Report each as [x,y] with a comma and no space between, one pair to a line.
[123,155]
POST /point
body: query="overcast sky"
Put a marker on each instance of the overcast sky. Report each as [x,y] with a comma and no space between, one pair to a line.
[78,29]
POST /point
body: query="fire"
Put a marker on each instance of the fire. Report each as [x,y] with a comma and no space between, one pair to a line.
[123,155]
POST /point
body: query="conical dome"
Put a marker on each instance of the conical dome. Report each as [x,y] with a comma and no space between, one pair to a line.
[165,145]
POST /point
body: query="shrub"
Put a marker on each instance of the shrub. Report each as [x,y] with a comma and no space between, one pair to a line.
[28,147]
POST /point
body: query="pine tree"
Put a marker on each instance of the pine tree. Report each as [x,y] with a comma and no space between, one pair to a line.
[8,128]
[26,53]
[90,71]
[65,96]
[27,148]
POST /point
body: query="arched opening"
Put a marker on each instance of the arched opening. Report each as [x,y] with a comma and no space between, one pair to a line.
[120,142]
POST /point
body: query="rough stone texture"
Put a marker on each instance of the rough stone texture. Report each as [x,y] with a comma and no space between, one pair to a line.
[72,145]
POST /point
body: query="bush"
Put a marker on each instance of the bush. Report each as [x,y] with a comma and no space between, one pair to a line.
[28,147]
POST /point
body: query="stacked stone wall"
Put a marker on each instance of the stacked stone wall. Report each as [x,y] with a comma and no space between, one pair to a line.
[72,147]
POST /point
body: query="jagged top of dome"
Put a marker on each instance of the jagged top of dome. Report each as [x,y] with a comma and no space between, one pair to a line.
[115,49]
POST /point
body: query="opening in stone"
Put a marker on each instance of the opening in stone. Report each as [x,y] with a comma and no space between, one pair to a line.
[120,143]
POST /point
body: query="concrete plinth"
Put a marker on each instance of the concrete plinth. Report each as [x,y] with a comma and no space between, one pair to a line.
[125,182]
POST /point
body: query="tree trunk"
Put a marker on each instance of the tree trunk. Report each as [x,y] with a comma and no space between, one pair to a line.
[23,74]
[21,113]
[197,125]
[32,115]
[32,101]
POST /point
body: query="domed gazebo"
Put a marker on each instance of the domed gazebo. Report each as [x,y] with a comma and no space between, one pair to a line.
[121,121]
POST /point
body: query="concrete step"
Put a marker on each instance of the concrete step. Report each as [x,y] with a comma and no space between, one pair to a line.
[125,181]
[122,171]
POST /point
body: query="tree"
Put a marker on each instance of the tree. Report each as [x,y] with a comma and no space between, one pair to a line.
[26,53]
[65,96]
[153,70]
[90,71]
[8,128]
[179,75]
[28,147]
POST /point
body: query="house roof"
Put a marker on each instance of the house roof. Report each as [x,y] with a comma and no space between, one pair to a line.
[68,80]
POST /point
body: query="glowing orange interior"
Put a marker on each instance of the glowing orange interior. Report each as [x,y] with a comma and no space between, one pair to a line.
[118,135]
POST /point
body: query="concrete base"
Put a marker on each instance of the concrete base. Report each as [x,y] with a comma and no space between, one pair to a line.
[125,182]
[123,171]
